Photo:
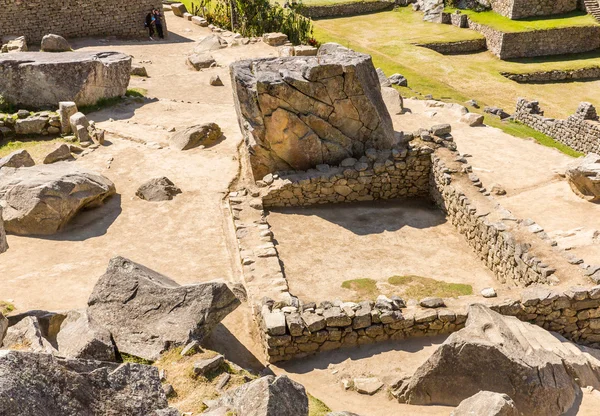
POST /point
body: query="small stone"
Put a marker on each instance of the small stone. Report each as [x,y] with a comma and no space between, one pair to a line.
[432,302]
[488,292]
[204,367]
[215,81]
[370,385]
[191,349]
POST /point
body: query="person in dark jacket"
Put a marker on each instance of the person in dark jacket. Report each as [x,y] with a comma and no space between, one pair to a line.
[149,23]
[158,23]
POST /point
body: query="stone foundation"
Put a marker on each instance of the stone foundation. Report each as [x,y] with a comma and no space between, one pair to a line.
[591,73]
[346,9]
[580,131]
[75,18]
[457,48]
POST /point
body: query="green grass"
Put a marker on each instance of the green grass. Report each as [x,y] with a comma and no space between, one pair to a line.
[418,287]
[328,2]
[109,102]
[316,407]
[14,145]
[128,358]
[504,24]
[364,288]
[6,307]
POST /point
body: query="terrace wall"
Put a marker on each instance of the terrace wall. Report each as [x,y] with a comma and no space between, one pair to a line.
[580,131]
[554,75]
[346,9]
[521,9]
[74,18]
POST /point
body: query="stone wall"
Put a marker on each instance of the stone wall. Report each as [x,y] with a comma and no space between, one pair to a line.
[456,48]
[75,18]
[510,45]
[580,131]
[346,9]
[554,75]
[43,123]
[380,175]
[520,9]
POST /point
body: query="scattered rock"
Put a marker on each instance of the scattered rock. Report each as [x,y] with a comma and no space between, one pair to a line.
[27,335]
[488,292]
[398,79]
[472,119]
[60,152]
[383,79]
[17,159]
[147,313]
[266,396]
[37,79]
[75,387]
[17,44]
[41,200]
[210,43]
[66,109]
[498,112]
[55,43]
[191,348]
[432,303]
[305,50]
[194,136]
[30,125]
[200,21]
[498,190]
[204,367]
[178,9]
[158,189]
[541,371]
[80,337]
[202,61]
[370,385]
[486,403]
[215,81]
[584,177]
[80,125]
[275,39]
[139,71]
[392,99]
[441,130]
[472,103]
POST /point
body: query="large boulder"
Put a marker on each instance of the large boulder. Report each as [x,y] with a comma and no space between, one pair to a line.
[584,177]
[80,337]
[42,79]
[147,313]
[158,189]
[40,384]
[486,403]
[300,112]
[266,396]
[194,136]
[55,43]
[3,243]
[541,371]
[41,200]
[17,159]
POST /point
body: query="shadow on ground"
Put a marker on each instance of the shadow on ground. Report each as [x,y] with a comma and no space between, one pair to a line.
[224,342]
[365,218]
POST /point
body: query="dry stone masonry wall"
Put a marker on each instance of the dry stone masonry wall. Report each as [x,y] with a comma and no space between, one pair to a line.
[520,9]
[346,9]
[580,131]
[554,75]
[458,47]
[74,18]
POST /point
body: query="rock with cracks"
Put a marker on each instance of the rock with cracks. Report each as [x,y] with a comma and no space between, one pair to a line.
[300,112]
[40,384]
[147,313]
[584,177]
[42,79]
[158,189]
[541,371]
[201,135]
[41,200]
[486,403]
[266,396]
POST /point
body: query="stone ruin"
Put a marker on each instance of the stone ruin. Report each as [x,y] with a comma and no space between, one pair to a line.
[39,80]
[300,112]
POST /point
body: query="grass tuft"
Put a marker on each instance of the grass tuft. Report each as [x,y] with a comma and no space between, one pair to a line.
[316,407]
[6,307]
[418,287]
[128,358]
[364,288]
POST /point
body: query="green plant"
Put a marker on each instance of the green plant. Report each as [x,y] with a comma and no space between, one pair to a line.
[316,407]
[418,287]
[364,288]
[128,358]
[6,307]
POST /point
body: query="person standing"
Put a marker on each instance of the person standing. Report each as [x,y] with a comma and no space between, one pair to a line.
[158,23]
[150,24]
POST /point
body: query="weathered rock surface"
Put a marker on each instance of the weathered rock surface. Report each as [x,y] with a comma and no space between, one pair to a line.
[383,79]
[158,189]
[275,39]
[3,327]
[66,109]
[60,152]
[27,335]
[139,71]
[432,10]
[300,112]
[200,61]
[80,337]
[18,159]
[16,44]
[41,200]
[178,9]
[194,136]
[42,79]
[55,43]
[210,43]
[486,403]
[541,371]
[472,119]
[584,177]
[392,99]
[3,246]
[49,322]
[30,125]
[147,313]
[40,384]
[266,396]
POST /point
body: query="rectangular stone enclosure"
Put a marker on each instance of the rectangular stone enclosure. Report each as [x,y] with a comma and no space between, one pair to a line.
[75,18]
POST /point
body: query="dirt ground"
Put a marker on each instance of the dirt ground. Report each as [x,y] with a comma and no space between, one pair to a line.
[371,240]
[189,238]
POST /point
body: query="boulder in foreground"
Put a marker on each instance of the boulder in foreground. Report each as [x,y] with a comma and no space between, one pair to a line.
[41,200]
[40,384]
[486,403]
[158,189]
[584,177]
[147,313]
[36,80]
[266,396]
[17,159]
[541,371]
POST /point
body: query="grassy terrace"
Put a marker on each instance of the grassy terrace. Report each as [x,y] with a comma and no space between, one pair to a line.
[390,37]
[504,24]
